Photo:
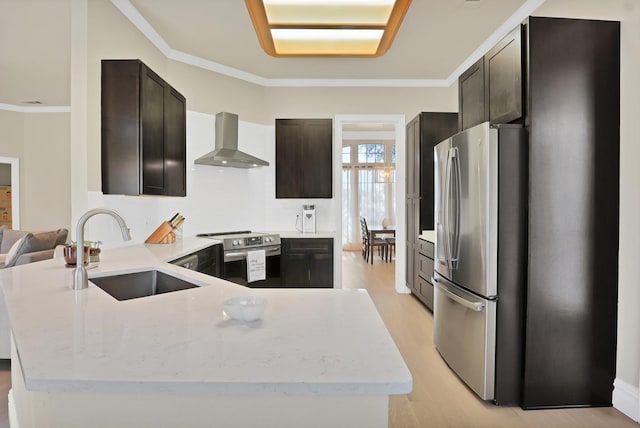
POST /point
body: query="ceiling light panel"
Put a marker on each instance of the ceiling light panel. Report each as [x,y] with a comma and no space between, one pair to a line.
[326,41]
[326,27]
[348,12]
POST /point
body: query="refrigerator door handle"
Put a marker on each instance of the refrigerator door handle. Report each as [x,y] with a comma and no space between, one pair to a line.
[454,246]
[446,207]
[474,306]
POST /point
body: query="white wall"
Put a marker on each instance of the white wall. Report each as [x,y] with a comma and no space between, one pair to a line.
[45,172]
[41,143]
[218,198]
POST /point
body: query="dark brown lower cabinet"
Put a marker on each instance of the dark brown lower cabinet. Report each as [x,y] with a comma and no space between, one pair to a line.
[423,288]
[307,263]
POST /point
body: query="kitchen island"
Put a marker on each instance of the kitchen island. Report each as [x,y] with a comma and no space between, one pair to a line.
[317,357]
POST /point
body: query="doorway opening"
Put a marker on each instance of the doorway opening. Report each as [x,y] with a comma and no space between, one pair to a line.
[372,161]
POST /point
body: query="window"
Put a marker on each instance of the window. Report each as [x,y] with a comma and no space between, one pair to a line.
[346,154]
[371,153]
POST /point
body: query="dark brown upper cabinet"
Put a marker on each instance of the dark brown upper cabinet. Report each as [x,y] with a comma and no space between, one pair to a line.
[304,158]
[492,88]
[503,79]
[143,132]
[471,97]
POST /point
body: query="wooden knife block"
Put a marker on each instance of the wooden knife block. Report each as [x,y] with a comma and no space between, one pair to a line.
[162,235]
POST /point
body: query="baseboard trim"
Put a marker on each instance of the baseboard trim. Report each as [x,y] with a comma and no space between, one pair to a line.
[625,398]
[13,416]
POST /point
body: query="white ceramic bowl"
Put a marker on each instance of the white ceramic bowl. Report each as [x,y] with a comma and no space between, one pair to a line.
[245,308]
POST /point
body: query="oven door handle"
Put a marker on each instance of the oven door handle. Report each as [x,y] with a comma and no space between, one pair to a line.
[243,254]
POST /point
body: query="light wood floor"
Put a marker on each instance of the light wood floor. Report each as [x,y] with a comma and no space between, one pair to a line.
[439,398]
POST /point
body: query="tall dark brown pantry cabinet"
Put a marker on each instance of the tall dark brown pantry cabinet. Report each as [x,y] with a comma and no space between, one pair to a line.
[573,103]
[304,158]
[423,133]
[143,132]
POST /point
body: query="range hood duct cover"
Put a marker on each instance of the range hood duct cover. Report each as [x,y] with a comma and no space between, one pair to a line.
[226,152]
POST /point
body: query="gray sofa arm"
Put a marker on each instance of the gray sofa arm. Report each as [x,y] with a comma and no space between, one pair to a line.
[36,256]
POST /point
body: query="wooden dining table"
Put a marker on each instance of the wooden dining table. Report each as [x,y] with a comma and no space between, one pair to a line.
[379,230]
[375,231]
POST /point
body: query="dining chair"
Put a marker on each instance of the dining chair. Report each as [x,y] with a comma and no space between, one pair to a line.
[365,239]
[372,242]
[391,247]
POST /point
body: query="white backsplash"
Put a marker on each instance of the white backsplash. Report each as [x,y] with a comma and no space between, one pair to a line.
[218,198]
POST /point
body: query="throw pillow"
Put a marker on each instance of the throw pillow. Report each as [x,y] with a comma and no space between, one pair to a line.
[9,237]
[16,250]
[30,243]
[41,241]
[61,237]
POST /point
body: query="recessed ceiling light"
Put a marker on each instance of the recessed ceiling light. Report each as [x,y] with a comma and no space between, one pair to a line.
[326,27]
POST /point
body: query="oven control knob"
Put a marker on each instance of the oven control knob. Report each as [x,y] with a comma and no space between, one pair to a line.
[267,239]
[236,242]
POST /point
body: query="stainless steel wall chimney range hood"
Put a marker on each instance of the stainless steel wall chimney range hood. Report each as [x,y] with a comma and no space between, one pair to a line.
[226,152]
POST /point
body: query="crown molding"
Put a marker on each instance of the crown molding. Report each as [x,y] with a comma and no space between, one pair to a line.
[35,109]
[368,83]
[136,18]
[215,66]
[132,14]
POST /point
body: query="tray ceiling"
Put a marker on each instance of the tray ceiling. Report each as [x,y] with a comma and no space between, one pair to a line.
[434,41]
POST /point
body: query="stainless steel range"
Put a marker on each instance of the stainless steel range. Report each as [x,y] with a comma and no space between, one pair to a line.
[236,246]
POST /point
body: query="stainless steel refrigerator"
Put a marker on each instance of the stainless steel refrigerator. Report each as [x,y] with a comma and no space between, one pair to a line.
[479,274]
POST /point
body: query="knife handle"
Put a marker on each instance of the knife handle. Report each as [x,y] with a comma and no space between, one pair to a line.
[179,222]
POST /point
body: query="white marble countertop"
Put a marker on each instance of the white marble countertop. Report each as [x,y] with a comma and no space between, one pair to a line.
[428,235]
[309,341]
[298,234]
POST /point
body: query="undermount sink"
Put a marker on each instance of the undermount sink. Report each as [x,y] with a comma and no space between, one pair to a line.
[140,284]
